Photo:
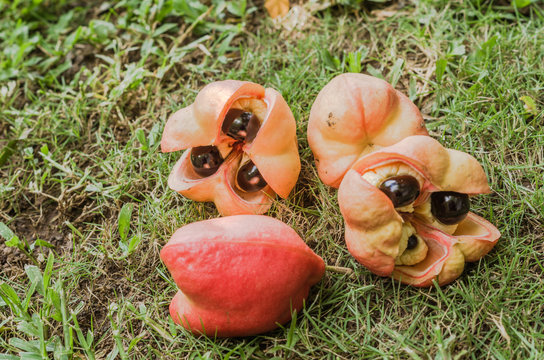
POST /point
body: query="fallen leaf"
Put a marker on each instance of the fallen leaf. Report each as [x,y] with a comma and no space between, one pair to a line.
[276,8]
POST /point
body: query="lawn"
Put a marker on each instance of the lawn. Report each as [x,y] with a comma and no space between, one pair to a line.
[85,91]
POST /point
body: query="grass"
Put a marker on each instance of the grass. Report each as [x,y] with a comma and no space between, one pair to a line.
[86,91]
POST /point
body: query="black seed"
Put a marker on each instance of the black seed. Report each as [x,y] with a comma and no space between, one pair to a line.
[240,125]
[206,160]
[249,178]
[449,207]
[412,242]
[402,189]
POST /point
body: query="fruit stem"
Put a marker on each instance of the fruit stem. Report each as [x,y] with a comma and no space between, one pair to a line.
[339,270]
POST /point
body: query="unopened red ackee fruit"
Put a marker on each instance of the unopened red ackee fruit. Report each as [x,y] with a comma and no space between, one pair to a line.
[239,275]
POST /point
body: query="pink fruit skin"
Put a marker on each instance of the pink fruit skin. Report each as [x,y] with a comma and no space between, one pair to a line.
[354,115]
[239,275]
[274,149]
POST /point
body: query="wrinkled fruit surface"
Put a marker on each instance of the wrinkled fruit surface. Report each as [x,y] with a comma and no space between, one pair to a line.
[353,115]
[242,147]
[239,275]
[406,211]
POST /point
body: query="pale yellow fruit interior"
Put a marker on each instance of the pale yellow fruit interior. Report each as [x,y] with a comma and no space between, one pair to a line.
[380,174]
[413,256]
[255,106]
[470,228]
[410,256]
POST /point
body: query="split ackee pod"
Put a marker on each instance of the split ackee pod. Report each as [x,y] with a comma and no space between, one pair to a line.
[378,231]
[268,142]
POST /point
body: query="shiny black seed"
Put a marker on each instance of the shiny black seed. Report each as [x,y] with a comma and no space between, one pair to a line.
[249,178]
[206,160]
[412,242]
[402,189]
[240,125]
[449,207]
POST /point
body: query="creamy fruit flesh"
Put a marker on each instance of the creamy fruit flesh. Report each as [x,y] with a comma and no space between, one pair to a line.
[407,212]
[419,209]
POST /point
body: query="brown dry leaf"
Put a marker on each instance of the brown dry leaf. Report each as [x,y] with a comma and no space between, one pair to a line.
[276,8]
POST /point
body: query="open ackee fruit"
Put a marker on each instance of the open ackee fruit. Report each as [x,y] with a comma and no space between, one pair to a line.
[406,209]
[354,115]
[242,147]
